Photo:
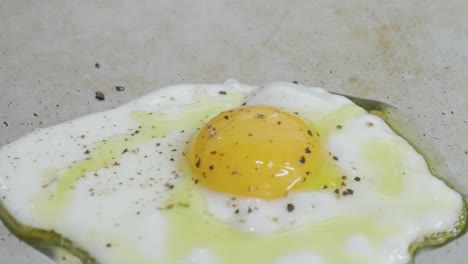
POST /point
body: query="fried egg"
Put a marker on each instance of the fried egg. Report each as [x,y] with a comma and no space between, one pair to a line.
[230,173]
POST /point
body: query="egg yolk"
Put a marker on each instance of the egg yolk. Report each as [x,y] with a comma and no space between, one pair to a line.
[256,151]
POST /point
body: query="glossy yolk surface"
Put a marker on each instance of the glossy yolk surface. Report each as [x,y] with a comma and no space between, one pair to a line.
[256,151]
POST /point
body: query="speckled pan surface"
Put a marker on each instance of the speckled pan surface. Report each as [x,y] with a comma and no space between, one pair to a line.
[54,56]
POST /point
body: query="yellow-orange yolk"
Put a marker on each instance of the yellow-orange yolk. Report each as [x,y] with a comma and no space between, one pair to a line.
[256,151]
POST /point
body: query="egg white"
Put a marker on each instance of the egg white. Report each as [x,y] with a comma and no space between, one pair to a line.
[118,213]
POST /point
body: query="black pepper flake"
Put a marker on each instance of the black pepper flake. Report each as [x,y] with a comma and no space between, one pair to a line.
[213,152]
[34,114]
[296,113]
[307,150]
[234,173]
[5,123]
[211,167]
[337,191]
[236,211]
[222,92]
[307,172]
[335,158]
[343,177]
[100,96]
[120,88]
[249,210]
[370,124]
[172,159]
[279,122]
[250,134]
[357,179]
[169,185]
[290,207]
[86,152]
[198,163]
[108,245]
[158,144]
[302,160]
[195,181]
[226,117]
[339,126]
[347,192]
[325,187]
[125,151]
[310,133]
[97,65]
[295,82]
[244,103]
[259,116]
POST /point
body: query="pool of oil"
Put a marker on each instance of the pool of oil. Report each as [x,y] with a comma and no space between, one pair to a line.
[64,251]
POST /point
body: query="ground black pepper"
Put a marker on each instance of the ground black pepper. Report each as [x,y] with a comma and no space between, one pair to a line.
[302,160]
[100,96]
